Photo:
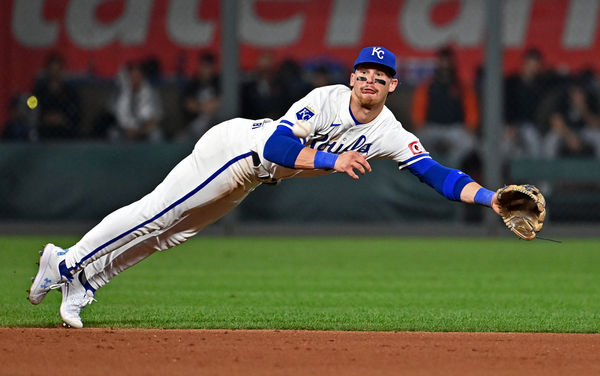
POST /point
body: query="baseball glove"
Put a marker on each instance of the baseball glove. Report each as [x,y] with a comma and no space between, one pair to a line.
[523,209]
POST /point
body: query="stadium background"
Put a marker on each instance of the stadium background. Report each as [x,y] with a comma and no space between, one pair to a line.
[69,183]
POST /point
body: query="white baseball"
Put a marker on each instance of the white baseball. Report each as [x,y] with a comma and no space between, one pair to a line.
[302,128]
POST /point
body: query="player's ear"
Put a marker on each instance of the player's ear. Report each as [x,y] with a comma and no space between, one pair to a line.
[352,79]
[393,85]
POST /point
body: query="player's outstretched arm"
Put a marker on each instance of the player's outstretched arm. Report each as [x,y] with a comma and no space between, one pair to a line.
[453,184]
[285,149]
[522,208]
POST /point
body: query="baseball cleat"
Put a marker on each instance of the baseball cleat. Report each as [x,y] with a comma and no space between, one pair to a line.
[74,298]
[48,276]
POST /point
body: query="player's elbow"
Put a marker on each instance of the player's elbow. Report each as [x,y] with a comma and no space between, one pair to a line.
[282,150]
[271,151]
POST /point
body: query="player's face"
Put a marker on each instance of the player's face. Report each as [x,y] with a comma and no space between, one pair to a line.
[371,85]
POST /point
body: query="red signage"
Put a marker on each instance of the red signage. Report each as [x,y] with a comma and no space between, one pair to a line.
[99,36]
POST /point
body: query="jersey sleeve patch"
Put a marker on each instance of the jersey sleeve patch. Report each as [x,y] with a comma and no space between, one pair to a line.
[305,113]
[285,122]
[416,148]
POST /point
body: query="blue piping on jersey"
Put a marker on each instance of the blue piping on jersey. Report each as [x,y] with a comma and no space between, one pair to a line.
[356,122]
[286,122]
[404,163]
[167,209]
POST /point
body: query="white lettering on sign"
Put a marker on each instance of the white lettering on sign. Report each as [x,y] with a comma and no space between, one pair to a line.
[258,32]
[131,28]
[346,22]
[581,24]
[184,28]
[29,26]
[516,15]
[465,29]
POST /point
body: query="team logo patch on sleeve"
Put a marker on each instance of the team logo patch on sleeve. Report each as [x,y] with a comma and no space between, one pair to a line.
[416,147]
[305,113]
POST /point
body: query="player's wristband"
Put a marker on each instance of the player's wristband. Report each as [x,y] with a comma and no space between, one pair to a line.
[484,197]
[325,160]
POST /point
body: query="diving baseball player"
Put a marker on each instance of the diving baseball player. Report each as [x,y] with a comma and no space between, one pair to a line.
[333,129]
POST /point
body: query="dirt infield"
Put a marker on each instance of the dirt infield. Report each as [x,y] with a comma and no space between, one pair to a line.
[28,351]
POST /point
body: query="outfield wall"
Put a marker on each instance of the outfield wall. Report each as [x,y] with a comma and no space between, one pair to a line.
[85,181]
[82,182]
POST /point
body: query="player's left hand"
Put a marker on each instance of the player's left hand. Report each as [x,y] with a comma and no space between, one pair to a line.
[351,160]
[496,204]
[523,209]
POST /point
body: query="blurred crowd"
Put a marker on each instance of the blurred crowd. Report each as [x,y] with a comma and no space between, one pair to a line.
[547,113]
[133,104]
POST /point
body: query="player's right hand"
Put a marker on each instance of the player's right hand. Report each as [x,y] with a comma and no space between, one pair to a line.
[351,160]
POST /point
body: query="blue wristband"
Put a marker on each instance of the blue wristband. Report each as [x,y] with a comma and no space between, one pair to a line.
[325,160]
[484,197]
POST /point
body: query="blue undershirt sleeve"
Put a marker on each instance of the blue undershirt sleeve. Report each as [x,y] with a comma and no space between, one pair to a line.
[446,181]
[283,147]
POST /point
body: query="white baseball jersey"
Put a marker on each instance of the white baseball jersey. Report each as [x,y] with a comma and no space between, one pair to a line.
[335,131]
[224,167]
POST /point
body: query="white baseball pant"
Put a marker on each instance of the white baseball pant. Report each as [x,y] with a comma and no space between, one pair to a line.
[202,188]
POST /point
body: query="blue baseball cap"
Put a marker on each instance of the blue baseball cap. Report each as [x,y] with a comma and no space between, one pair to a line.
[377,55]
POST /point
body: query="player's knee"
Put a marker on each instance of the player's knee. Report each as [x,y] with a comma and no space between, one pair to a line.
[172,240]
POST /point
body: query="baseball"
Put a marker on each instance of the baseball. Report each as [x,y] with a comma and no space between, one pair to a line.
[32,102]
[302,128]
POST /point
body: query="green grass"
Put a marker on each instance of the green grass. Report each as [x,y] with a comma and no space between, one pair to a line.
[325,283]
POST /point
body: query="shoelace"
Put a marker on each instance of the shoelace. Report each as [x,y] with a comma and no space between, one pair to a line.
[88,298]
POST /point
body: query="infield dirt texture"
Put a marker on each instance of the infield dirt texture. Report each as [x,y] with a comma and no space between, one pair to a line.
[351,306]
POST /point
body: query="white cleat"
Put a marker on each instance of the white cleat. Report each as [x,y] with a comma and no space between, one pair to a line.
[48,276]
[74,298]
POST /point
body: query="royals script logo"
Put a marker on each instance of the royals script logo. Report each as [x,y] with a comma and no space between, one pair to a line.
[322,143]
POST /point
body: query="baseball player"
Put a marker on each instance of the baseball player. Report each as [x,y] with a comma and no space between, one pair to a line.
[332,129]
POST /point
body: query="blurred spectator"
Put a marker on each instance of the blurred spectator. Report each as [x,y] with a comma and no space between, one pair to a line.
[590,78]
[524,92]
[138,108]
[261,94]
[290,78]
[320,76]
[59,111]
[323,70]
[202,97]
[18,127]
[575,125]
[152,69]
[445,111]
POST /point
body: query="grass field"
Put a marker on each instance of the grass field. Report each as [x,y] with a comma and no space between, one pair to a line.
[325,283]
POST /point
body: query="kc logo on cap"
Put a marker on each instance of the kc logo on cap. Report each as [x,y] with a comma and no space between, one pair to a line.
[378,51]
